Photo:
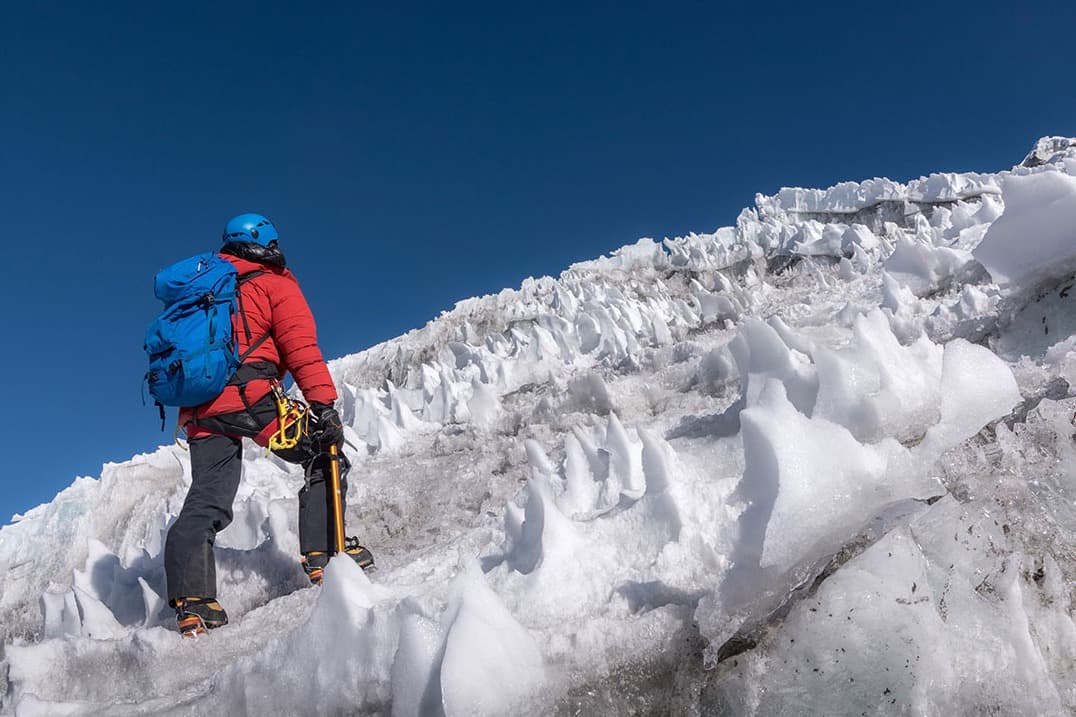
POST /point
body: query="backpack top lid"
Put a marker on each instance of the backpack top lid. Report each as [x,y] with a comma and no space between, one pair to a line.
[191,279]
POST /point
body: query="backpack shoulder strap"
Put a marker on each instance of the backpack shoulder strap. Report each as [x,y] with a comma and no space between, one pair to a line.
[240,280]
[244,278]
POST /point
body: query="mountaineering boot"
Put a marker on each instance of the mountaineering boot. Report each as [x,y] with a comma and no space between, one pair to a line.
[314,564]
[359,554]
[195,615]
[315,561]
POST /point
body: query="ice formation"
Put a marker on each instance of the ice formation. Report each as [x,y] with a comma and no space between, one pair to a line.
[816,462]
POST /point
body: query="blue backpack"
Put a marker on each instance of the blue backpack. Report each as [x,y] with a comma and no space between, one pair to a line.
[191,346]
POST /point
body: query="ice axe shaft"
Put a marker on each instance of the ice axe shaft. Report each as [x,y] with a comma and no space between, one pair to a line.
[337,502]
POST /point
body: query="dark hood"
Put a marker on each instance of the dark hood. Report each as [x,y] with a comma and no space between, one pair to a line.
[252,251]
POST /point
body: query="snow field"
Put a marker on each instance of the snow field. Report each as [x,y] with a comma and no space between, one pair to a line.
[683,438]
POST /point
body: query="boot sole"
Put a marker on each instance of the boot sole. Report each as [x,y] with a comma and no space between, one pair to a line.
[192,626]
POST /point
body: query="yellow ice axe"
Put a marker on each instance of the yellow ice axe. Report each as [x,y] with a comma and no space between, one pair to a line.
[337,502]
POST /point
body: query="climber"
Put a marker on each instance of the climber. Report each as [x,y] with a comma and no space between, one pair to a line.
[274,333]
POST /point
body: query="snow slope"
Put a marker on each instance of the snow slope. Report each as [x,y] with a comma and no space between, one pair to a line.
[818,462]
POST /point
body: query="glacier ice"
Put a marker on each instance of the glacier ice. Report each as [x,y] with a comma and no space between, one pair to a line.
[817,462]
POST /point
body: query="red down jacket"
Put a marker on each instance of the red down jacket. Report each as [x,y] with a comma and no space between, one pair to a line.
[274,303]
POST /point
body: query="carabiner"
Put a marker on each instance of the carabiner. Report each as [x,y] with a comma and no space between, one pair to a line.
[292,418]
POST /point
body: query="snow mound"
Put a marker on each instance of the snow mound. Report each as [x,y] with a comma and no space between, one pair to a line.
[1050,150]
[1034,240]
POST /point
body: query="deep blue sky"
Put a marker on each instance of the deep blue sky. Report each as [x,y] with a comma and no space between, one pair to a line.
[416,154]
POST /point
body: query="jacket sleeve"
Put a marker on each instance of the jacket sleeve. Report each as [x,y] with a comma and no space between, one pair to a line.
[295,336]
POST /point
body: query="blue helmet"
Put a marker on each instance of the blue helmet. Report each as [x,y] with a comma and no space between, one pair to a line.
[250,227]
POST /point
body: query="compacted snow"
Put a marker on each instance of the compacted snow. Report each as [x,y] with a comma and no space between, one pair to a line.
[820,462]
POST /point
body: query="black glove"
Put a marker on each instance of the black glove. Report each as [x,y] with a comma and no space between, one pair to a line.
[326,428]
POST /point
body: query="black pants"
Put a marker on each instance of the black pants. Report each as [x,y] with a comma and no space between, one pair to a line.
[216,468]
